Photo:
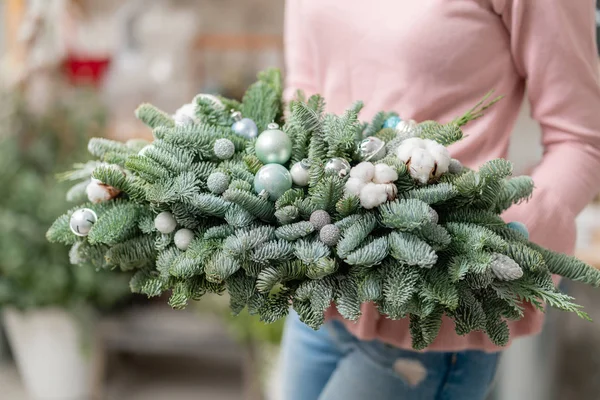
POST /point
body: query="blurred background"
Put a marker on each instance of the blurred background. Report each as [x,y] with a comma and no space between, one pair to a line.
[72,69]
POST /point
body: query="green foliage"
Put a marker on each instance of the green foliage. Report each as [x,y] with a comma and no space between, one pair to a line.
[431,252]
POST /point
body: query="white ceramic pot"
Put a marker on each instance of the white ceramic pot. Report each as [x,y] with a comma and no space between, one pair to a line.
[47,348]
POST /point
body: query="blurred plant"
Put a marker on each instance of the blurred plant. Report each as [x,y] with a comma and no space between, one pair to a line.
[33,148]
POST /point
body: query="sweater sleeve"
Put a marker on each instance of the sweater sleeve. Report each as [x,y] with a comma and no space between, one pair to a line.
[554,48]
[300,74]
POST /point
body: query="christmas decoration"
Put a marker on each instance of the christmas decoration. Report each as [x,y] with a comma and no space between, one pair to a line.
[82,220]
[455,167]
[244,127]
[274,179]
[98,192]
[301,172]
[165,222]
[185,115]
[330,235]
[319,219]
[372,149]
[217,182]
[401,232]
[224,149]
[505,268]
[392,122]
[519,227]
[338,166]
[183,238]
[425,158]
[273,146]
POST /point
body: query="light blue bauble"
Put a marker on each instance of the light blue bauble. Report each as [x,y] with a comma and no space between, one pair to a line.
[519,227]
[274,179]
[273,146]
[245,127]
[391,122]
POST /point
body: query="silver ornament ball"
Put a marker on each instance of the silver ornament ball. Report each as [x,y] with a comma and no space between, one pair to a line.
[455,166]
[330,235]
[272,180]
[301,172]
[319,219]
[165,222]
[273,146]
[224,149]
[217,182]
[371,149]
[244,127]
[183,238]
[338,166]
[435,218]
[82,221]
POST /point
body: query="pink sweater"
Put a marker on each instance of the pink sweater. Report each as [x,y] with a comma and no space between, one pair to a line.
[433,60]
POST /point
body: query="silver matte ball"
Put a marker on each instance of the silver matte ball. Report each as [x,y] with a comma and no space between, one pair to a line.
[338,166]
[183,238]
[224,149]
[372,149]
[301,173]
[217,182]
[435,218]
[330,235]
[82,221]
[165,222]
[455,166]
[319,219]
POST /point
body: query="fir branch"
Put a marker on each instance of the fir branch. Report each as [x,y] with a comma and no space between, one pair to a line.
[257,206]
[353,236]
[325,194]
[405,214]
[370,254]
[295,231]
[411,250]
[478,110]
[153,117]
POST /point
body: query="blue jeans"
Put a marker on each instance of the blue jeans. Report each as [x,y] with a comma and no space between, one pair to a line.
[331,364]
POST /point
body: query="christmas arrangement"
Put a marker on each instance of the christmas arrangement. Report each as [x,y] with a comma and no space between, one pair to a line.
[311,210]
[34,146]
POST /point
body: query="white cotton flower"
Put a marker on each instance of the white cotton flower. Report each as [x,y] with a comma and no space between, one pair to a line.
[354,186]
[421,165]
[384,174]
[440,155]
[97,192]
[404,151]
[185,115]
[373,195]
[363,171]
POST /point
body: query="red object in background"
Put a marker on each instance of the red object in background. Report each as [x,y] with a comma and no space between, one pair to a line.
[83,70]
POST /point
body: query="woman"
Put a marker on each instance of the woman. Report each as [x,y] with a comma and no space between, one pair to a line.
[434,59]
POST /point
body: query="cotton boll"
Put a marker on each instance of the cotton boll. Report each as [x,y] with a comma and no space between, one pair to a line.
[373,195]
[441,156]
[354,186]
[385,174]
[421,165]
[404,151]
[98,192]
[185,115]
[363,171]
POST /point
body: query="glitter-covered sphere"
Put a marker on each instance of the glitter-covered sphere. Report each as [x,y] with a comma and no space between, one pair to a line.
[330,235]
[273,146]
[319,219]
[301,172]
[165,222]
[224,149]
[272,179]
[82,221]
[217,182]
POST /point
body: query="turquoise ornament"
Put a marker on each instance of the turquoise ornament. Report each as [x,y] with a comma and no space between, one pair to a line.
[272,180]
[519,227]
[244,127]
[391,122]
[273,146]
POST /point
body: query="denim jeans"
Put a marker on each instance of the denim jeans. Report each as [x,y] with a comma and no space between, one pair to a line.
[331,364]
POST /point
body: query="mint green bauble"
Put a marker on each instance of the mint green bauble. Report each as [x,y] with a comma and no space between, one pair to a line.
[273,180]
[273,146]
